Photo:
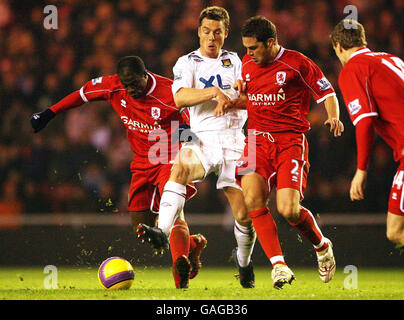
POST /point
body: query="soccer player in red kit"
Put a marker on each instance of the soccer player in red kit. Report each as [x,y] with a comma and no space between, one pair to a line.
[145,104]
[277,84]
[372,84]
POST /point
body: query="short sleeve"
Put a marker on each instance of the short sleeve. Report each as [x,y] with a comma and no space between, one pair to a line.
[183,75]
[353,83]
[314,78]
[96,89]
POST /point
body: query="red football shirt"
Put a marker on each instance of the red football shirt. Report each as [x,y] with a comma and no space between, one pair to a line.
[150,120]
[372,84]
[278,94]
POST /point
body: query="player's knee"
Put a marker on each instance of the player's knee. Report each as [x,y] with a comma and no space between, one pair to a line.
[396,236]
[289,211]
[254,202]
[180,173]
[243,218]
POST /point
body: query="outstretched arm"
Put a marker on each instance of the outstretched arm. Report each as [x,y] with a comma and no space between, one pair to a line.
[40,120]
[95,89]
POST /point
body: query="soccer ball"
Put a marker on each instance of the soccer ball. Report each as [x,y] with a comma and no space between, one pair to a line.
[116,273]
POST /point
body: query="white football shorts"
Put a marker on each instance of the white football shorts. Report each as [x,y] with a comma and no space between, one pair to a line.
[219,152]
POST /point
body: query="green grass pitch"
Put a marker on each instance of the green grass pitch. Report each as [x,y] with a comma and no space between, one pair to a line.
[156,283]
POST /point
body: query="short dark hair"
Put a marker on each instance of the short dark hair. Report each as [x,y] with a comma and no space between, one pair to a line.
[260,28]
[351,37]
[131,65]
[215,13]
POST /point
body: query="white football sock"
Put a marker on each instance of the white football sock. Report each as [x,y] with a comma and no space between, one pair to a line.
[171,204]
[245,237]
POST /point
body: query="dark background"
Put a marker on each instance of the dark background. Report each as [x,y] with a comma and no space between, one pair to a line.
[80,162]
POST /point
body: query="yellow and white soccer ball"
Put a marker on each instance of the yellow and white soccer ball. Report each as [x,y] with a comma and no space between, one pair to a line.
[116,273]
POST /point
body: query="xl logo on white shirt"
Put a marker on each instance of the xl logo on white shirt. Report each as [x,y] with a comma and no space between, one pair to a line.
[209,83]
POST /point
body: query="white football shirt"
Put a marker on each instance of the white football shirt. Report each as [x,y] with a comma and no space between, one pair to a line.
[196,71]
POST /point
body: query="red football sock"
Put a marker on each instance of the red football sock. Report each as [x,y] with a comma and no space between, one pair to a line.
[308,227]
[192,243]
[267,234]
[179,239]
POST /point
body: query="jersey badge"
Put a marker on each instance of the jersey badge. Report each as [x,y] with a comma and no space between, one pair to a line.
[354,107]
[155,113]
[280,78]
[324,84]
[226,63]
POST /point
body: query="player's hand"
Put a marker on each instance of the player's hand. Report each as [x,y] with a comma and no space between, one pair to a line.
[336,126]
[358,185]
[240,86]
[39,120]
[223,102]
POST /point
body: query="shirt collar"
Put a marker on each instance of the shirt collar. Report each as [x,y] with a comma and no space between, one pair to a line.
[153,83]
[280,53]
[359,51]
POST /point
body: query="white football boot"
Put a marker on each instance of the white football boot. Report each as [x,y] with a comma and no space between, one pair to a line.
[326,263]
[281,274]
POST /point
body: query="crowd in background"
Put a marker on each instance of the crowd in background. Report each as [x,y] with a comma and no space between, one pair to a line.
[80,162]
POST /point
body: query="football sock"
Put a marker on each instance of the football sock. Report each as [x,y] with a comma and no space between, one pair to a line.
[308,227]
[245,237]
[171,204]
[179,246]
[179,239]
[267,234]
[192,242]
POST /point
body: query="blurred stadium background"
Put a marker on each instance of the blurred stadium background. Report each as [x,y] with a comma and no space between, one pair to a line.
[63,192]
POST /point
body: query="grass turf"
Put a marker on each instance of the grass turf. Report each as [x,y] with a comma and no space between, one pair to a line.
[156,283]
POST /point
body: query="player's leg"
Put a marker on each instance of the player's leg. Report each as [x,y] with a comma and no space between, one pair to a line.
[292,167]
[288,204]
[256,195]
[244,231]
[245,235]
[395,228]
[179,246]
[146,217]
[395,215]
[187,167]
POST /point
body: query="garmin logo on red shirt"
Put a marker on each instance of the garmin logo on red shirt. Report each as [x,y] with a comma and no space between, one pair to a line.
[267,98]
[139,126]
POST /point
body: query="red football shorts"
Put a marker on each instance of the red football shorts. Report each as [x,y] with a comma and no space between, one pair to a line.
[281,158]
[146,188]
[396,199]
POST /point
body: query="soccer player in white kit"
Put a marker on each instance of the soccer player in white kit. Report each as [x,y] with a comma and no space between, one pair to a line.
[202,79]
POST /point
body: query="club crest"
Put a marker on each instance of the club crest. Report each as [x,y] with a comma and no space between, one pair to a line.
[155,113]
[280,78]
[226,63]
